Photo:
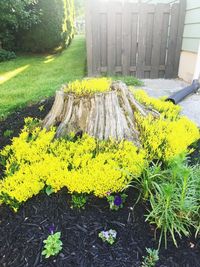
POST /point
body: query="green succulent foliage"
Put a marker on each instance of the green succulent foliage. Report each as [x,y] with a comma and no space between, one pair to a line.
[79,201]
[53,245]
[151,258]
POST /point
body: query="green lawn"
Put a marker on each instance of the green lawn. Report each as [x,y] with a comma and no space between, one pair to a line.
[31,78]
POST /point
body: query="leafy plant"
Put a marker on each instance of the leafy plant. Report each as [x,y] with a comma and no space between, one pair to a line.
[116,202]
[41,108]
[79,201]
[54,29]
[6,55]
[150,179]
[53,245]
[174,204]
[15,15]
[49,190]
[128,80]
[31,123]
[108,236]
[8,133]
[151,258]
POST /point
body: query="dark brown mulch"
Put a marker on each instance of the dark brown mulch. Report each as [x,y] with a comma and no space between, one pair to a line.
[15,121]
[22,233]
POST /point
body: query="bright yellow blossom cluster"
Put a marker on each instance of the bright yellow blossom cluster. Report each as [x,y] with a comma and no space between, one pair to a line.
[35,160]
[164,139]
[89,86]
[168,136]
[166,108]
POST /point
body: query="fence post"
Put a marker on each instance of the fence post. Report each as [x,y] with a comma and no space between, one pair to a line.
[88,32]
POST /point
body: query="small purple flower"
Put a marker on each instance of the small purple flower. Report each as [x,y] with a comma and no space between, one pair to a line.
[118,201]
[52,229]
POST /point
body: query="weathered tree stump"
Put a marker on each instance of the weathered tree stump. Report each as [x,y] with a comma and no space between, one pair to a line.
[102,115]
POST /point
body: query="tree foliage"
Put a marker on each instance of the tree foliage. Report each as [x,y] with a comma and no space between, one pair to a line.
[36,25]
[54,29]
[16,15]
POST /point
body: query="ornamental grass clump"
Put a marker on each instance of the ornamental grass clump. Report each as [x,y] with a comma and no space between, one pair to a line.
[174,200]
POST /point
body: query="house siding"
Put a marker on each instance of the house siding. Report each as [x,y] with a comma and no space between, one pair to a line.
[191,35]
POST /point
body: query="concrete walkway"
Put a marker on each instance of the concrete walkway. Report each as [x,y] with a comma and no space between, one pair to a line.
[162,87]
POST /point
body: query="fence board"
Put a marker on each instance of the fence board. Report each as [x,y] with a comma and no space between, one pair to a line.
[141,40]
[134,20]
[157,34]
[89,36]
[138,39]
[182,12]
[111,38]
[172,41]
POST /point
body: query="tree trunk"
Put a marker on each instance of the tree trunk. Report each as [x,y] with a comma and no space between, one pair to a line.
[102,115]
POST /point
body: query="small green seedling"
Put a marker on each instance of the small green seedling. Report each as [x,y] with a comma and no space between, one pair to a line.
[79,201]
[49,190]
[108,236]
[53,245]
[8,133]
[41,108]
[151,258]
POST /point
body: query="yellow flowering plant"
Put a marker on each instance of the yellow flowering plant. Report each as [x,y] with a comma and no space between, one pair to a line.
[36,160]
[166,108]
[85,166]
[89,86]
[169,135]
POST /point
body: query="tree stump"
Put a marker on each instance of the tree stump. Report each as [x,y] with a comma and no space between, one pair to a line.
[102,115]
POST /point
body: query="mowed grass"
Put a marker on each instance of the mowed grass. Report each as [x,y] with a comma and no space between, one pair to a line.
[30,78]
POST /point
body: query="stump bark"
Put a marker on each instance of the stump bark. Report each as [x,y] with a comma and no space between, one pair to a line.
[102,115]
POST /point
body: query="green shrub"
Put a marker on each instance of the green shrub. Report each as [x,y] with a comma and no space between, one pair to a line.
[6,55]
[15,15]
[55,28]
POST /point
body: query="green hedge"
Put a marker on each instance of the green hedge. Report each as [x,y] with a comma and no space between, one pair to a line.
[6,55]
[56,27]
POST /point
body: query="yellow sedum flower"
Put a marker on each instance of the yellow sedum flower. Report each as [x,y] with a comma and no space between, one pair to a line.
[89,86]
[164,139]
[166,108]
[35,159]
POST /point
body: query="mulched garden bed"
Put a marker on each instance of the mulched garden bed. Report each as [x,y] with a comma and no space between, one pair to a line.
[22,233]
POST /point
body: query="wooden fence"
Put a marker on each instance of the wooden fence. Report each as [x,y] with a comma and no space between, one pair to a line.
[125,38]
